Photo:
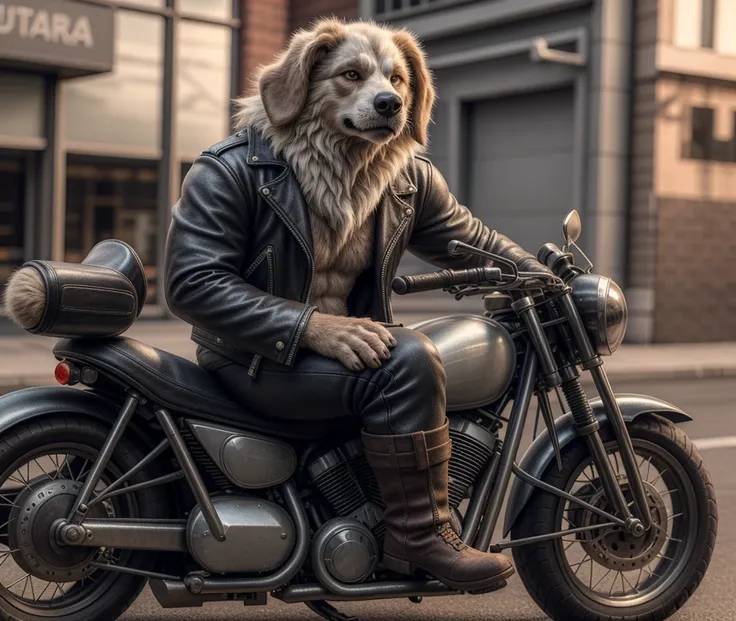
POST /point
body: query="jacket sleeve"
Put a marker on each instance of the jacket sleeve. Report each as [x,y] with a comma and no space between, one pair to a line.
[206,247]
[442,219]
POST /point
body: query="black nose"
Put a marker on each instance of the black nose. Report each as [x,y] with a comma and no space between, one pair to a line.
[387,104]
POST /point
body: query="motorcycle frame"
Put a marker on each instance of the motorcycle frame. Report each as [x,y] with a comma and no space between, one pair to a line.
[539,372]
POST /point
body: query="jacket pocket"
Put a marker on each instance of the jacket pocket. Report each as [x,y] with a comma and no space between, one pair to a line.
[267,256]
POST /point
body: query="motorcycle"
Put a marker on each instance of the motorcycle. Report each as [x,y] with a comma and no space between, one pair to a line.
[138,469]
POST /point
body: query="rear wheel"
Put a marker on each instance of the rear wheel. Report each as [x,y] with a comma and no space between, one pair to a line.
[607,574]
[42,468]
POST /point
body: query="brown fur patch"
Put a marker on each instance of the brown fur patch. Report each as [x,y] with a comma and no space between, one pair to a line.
[25,298]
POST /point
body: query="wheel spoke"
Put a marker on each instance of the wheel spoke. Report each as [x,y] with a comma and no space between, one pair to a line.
[16,480]
[82,471]
[638,580]
[675,516]
[602,579]
[43,469]
[629,583]
[581,563]
[40,595]
[659,477]
[10,586]
[60,589]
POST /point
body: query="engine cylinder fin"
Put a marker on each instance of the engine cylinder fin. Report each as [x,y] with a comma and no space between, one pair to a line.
[211,473]
[469,455]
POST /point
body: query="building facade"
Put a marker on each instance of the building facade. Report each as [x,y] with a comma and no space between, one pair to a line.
[622,109]
[104,108]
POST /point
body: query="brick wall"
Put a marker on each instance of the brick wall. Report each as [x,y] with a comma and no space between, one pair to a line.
[305,11]
[265,28]
[695,294]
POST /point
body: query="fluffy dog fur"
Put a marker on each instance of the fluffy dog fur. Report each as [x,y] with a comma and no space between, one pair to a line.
[344,154]
[25,298]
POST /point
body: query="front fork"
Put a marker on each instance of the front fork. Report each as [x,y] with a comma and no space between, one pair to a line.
[587,426]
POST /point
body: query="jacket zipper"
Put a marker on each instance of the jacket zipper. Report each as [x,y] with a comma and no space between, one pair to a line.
[310,262]
[267,254]
[384,267]
[303,245]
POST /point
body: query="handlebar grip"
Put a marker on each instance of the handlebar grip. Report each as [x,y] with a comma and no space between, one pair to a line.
[443,279]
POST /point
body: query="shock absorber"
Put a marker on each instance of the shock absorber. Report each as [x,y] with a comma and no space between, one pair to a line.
[579,406]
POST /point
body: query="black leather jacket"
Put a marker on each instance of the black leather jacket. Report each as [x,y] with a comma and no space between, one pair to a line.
[239,257]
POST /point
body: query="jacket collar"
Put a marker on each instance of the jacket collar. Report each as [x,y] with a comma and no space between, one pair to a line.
[261,153]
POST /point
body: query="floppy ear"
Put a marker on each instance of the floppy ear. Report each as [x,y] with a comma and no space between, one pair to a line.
[284,85]
[421,83]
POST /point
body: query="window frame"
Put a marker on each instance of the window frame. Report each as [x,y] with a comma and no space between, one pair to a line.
[168,156]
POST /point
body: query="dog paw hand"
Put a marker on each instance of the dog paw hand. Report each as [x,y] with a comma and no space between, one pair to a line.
[356,343]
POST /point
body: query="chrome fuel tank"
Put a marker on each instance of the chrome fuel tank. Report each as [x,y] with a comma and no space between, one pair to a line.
[479,357]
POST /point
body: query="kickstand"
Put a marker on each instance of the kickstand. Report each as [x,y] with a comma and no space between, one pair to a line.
[328,612]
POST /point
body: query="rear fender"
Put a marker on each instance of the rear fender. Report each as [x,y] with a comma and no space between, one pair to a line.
[541,452]
[31,403]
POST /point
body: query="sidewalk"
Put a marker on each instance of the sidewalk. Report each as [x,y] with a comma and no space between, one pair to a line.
[26,360]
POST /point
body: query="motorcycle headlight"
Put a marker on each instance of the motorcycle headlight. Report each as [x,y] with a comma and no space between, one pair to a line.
[602,307]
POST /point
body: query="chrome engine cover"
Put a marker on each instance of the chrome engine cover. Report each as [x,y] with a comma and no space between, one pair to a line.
[479,357]
[347,549]
[260,536]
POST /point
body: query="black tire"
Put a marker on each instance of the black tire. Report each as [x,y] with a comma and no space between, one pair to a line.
[542,569]
[120,590]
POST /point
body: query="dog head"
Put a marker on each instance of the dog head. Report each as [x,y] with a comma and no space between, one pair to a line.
[367,82]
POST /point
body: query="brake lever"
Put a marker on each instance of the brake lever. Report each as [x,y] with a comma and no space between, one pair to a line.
[457,248]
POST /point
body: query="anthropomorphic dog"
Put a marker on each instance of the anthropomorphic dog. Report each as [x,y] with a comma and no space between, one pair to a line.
[282,250]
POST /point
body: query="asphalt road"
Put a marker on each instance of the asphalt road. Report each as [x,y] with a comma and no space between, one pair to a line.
[710,402]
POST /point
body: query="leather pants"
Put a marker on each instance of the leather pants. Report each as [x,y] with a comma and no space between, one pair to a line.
[405,395]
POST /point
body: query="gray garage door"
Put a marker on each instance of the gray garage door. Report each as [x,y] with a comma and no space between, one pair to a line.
[520,157]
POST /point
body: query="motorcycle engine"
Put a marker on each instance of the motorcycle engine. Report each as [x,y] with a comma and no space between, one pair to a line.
[260,536]
[346,481]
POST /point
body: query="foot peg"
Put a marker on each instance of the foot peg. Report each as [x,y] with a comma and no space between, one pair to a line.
[328,612]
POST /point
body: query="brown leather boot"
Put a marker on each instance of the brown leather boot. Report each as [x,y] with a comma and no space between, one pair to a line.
[412,473]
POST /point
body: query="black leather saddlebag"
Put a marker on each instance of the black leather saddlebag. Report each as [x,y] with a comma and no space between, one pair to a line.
[100,297]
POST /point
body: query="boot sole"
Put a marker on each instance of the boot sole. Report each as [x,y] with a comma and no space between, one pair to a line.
[476,587]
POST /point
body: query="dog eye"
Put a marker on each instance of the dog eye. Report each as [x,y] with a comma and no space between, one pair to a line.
[395,79]
[352,75]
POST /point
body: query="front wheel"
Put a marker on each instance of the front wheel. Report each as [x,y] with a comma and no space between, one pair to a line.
[606,574]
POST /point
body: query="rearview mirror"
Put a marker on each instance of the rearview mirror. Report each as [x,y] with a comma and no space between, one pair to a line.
[572,227]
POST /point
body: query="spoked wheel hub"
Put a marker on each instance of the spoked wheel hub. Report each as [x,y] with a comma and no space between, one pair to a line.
[32,532]
[617,549]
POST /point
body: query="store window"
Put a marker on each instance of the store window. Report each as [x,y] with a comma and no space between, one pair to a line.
[21,102]
[12,210]
[112,199]
[203,88]
[121,110]
[213,9]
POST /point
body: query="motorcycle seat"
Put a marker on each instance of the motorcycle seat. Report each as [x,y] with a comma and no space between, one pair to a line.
[177,384]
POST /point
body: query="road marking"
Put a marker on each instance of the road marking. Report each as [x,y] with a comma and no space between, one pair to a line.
[705,444]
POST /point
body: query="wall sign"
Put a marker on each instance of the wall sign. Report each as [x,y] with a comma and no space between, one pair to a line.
[72,38]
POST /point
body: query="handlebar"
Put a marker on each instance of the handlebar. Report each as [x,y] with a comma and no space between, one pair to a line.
[444,279]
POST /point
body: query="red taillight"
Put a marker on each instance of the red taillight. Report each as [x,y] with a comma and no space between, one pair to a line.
[63,373]
[67,374]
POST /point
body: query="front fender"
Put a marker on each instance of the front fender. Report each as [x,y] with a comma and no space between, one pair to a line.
[541,453]
[29,403]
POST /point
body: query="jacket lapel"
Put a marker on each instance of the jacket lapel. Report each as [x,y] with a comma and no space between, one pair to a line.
[280,190]
[395,210]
